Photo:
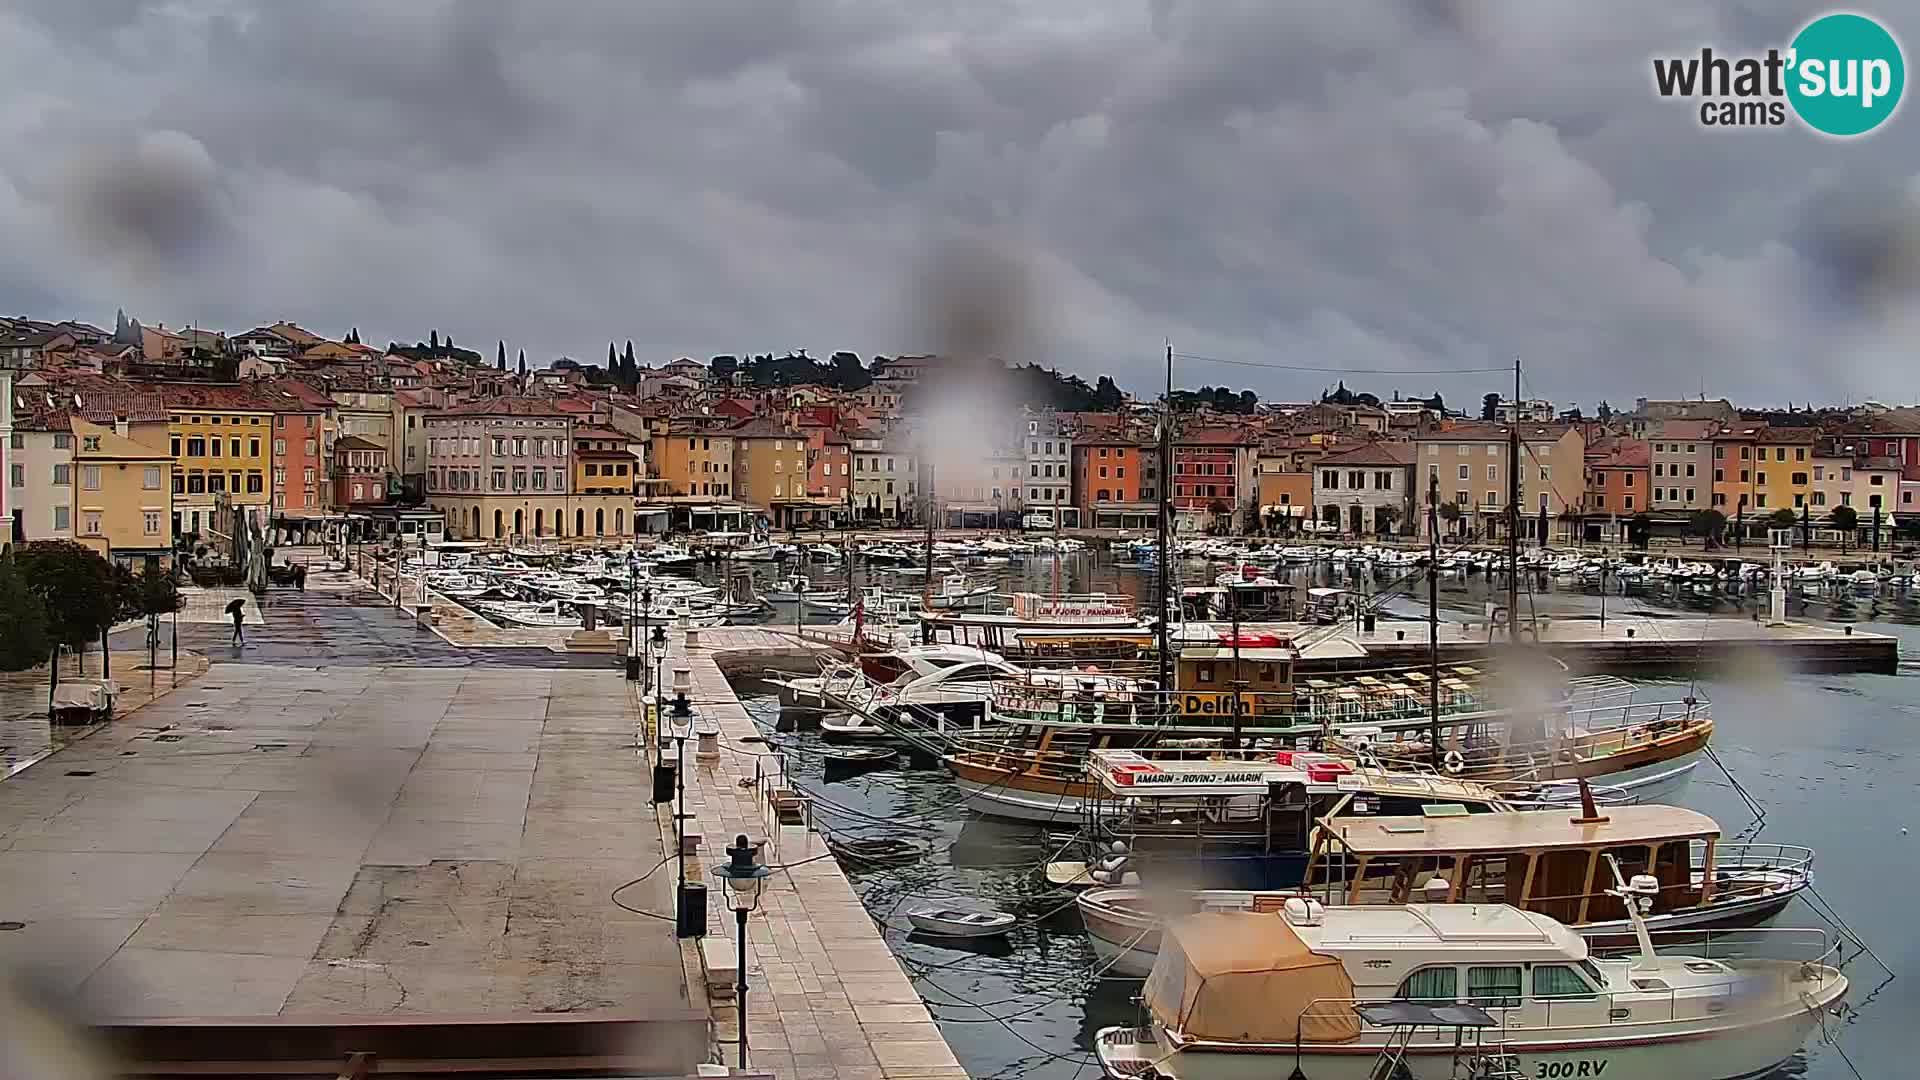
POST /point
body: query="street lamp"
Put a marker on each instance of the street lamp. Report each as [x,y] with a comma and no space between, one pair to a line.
[742,877]
[690,908]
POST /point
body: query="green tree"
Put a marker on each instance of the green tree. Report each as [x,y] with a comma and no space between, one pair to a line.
[500,357]
[613,360]
[23,620]
[523,361]
[1709,525]
[433,340]
[1450,513]
[1490,407]
[1387,517]
[1846,519]
[78,590]
[1782,518]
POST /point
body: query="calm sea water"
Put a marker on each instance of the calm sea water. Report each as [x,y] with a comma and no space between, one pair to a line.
[1828,757]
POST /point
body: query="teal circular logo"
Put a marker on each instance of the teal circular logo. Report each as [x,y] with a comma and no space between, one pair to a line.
[1847,74]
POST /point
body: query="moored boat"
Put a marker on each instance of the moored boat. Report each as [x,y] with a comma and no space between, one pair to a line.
[1242,996]
[1537,860]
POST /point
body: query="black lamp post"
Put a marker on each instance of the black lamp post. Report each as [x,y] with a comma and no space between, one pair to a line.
[690,923]
[743,878]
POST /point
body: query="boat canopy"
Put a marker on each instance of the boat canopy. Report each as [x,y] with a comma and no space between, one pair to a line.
[1242,977]
[1527,830]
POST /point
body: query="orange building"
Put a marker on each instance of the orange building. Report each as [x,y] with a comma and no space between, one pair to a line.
[1107,469]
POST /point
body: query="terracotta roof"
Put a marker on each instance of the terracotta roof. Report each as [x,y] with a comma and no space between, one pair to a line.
[1372,453]
[355,442]
[1624,454]
[295,395]
[1214,437]
[763,428]
[597,431]
[1684,429]
[193,395]
[1485,431]
[504,406]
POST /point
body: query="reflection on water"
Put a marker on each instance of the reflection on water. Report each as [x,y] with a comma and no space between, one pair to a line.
[1828,756]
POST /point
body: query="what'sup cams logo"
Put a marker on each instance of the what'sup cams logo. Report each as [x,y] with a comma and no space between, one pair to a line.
[1842,76]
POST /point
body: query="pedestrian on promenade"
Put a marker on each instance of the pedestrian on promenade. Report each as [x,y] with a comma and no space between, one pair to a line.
[238,609]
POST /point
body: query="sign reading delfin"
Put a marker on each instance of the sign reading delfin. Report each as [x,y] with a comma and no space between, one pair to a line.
[1214,704]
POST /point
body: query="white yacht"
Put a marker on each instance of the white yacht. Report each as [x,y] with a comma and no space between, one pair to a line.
[1244,996]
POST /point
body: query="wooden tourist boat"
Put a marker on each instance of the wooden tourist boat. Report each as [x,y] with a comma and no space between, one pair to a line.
[1545,861]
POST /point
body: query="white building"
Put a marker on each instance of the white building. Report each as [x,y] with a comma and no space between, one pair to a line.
[1049,462]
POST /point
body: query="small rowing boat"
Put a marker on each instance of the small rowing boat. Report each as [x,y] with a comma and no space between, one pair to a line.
[949,922]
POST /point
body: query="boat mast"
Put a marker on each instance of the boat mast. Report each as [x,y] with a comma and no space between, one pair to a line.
[1513,511]
[926,586]
[1162,593]
[1433,617]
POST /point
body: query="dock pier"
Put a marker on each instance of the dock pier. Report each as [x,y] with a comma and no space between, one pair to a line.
[826,997]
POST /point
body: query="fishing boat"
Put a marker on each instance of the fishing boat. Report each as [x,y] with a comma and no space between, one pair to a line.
[1544,861]
[796,588]
[1245,996]
[950,922]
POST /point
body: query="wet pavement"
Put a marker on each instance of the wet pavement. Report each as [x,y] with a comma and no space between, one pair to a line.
[337,621]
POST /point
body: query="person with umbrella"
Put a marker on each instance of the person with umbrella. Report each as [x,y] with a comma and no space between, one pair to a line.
[237,607]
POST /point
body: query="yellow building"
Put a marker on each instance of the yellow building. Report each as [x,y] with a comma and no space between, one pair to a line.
[602,464]
[770,471]
[123,490]
[697,459]
[1759,469]
[221,438]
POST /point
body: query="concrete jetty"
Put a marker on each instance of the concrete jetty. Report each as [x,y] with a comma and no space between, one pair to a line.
[826,997]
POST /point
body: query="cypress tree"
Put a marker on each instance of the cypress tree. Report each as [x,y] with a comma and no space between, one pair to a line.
[500,355]
[523,362]
[433,340]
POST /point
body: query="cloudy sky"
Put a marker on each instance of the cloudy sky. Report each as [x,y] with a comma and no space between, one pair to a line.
[1426,185]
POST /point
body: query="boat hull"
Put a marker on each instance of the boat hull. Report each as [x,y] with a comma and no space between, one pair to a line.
[1704,1050]
[1021,797]
[1126,941]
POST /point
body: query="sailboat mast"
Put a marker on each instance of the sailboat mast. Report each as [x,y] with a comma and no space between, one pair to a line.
[1163,594]
[1433,617]
[933,507]
[1513,511]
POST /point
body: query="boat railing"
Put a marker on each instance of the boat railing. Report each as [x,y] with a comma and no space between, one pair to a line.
[1658,716]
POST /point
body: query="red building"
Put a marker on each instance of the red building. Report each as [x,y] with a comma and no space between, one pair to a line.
[359,472]
[1212,473]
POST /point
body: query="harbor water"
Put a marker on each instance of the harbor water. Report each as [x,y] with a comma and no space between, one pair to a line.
[1826,757]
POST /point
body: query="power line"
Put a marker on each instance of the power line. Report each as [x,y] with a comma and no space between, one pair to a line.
[1340,370]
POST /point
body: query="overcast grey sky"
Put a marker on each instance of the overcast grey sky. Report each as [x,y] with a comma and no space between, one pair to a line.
[1366,185]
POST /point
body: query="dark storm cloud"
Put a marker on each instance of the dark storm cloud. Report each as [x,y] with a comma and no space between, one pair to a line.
[1429,184]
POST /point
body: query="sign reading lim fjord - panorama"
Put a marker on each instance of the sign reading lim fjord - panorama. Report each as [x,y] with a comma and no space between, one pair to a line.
[1842,75]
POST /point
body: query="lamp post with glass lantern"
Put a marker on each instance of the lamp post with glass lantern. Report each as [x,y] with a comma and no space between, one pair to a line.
[686,925]
[743,878]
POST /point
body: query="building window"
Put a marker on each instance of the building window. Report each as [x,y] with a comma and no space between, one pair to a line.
[235,445]
[153,522]
[196,446]
[253,447]
[90,477]
[1466,472]
[62,440]
[196,483]
[62,475]
[61,518]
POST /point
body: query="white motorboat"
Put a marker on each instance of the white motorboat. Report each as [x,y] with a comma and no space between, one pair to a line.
[851,727]
[949,922]
[956,593]
[550,613]
[1244,996]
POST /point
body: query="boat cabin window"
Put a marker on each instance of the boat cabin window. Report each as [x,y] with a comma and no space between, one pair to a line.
[1204,672]
[1494,987]
[1558,981]
[1430,984]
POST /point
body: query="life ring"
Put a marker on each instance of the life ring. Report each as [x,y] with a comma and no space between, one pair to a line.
[1455,763]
